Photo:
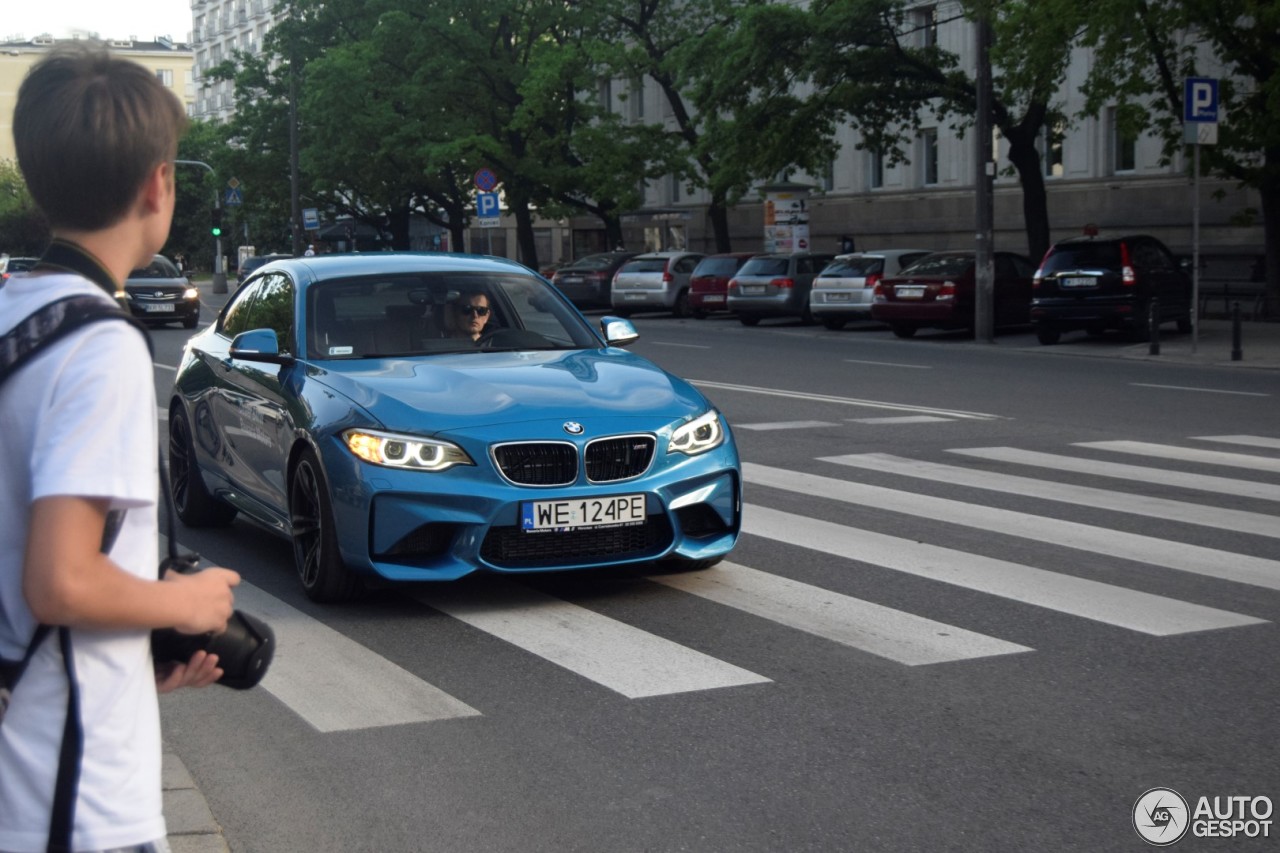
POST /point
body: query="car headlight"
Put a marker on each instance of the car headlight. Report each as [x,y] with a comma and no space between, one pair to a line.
[404,451]
[190,293]
[698,435]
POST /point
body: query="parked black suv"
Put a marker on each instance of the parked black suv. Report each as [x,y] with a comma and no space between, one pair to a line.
[1099,283]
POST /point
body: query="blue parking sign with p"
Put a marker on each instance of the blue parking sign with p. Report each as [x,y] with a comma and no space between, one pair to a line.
[487,205]
[1200,100]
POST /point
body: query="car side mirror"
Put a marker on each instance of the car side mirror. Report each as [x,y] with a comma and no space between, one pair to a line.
[259,345]
[618,332]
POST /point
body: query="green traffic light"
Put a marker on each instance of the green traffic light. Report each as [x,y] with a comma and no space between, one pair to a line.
[217,232]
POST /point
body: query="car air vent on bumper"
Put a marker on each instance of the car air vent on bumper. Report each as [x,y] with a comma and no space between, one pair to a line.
[619,458]
[538,463]
[513,548]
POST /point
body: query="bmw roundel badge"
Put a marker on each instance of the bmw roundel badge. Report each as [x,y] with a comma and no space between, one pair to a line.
[573,427]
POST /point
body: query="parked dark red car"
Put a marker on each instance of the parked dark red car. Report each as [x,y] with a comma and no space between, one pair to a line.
[937,291]
[709,285]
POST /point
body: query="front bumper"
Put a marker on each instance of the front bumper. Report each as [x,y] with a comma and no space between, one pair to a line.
[164,310]
[418,526]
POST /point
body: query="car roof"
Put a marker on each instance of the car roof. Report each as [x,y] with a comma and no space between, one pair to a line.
[321,267]
[672,254]
[732,255]
[1076,241]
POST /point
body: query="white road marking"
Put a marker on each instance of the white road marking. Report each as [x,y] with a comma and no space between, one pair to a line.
[336,684]
[905,419]
[159,366]
[1187,454]
[844,401]
[1202,390]
[1100,602]
[1256,523]
[1120,471]
[1247,440]
[889,364]
[618,656]
[1195,559]
[872,628]
[786,425]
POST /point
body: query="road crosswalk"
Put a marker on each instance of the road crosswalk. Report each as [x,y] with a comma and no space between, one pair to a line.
[360,689]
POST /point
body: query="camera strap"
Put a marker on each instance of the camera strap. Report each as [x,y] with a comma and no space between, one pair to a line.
[19,346]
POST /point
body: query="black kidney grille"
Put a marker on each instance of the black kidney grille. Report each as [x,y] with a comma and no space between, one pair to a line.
[538,463]
[513,548]
[619,458]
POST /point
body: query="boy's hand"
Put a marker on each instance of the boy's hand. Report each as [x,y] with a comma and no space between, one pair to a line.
[209,597]
[201,671]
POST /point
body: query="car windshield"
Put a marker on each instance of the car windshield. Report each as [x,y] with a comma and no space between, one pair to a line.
[853,268]
[940,265]
[1083,256]
[717,266]
[592,262]
[428,313]
[765,266]
[159,268]
[645,265]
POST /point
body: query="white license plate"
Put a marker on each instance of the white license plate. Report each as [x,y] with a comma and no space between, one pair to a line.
[837,297]
[158,307]
[715,297]
[909,292]
[1077,282]
[614,511]
[571,280]
[635,297]
[754,289]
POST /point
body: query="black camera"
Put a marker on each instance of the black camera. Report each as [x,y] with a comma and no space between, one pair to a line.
[244,649]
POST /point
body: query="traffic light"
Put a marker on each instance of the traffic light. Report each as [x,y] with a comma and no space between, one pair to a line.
[216,227]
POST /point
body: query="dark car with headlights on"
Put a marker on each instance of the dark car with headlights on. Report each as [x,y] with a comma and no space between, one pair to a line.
[331,403]
[159,294]
[588,281]
[1100,283]
[938,291]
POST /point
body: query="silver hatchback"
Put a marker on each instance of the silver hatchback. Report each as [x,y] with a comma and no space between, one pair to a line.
[655,281]
[843,291]
[775,285]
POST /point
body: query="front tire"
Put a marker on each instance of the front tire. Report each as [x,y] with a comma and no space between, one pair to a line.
[192,502]
[324,575]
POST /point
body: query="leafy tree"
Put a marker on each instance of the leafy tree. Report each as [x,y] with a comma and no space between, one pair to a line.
[1143,50]
[23,231]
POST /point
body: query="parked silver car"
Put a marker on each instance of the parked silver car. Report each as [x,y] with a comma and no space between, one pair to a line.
[775,285]
[843,290]
[655,281]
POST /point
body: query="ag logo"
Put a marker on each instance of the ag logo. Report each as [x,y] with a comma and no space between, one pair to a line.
[1161,816]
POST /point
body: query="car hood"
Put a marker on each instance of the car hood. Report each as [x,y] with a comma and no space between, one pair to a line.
[467,390]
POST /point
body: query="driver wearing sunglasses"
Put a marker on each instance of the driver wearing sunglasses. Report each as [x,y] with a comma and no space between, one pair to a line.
[467,316]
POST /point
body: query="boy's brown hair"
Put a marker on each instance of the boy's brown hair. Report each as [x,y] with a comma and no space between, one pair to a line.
[89,128]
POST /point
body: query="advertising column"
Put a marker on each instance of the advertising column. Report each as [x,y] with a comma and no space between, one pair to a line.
[786,219]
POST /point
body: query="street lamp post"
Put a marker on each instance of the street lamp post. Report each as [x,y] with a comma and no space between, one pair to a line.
[219,274]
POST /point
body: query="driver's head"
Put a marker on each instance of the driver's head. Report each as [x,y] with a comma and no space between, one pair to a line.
[470,313]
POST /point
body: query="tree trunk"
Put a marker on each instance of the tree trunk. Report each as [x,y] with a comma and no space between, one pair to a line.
[527,253]
[1035,203]
[719,216]
[398,225]
[1270,192]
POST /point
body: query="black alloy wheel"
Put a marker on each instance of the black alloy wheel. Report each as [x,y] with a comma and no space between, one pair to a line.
[192,502]
[324,575]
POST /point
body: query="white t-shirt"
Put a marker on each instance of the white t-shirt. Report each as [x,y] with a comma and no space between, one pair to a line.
[79,419]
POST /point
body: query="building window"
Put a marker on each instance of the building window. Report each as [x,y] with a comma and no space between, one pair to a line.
[637,99]
[875,169]
[929,157]
[1050,147]
[675,189]
[606,94]
[828,179]
[165,76]
[924,21]
[1122,144]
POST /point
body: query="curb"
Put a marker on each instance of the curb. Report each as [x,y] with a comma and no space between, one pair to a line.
[190,822]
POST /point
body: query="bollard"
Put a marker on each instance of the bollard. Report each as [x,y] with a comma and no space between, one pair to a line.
[1237,351]
[1153,323]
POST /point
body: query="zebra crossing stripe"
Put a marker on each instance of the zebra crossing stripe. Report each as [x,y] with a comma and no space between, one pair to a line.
[336,684]
[1224,565]
[1255,523]
[872,628]
[844,401]
[1246,440]
[618,656]
[1121,471]
[1188,454]
[1100,602]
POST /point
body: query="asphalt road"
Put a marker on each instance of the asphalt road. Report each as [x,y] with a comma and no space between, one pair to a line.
[986,598]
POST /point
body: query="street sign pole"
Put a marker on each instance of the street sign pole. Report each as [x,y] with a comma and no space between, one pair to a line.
[1199,127]
[219,275]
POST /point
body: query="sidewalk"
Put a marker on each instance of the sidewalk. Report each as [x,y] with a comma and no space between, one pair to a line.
[192,828]
[1259,346]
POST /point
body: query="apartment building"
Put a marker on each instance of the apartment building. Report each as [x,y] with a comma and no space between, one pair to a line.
[220,28]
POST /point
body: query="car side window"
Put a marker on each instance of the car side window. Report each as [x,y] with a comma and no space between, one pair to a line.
[235,317]
[273,309]
[686,264]
[804,266]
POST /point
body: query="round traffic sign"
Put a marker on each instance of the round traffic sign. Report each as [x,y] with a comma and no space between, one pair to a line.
[486,180]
